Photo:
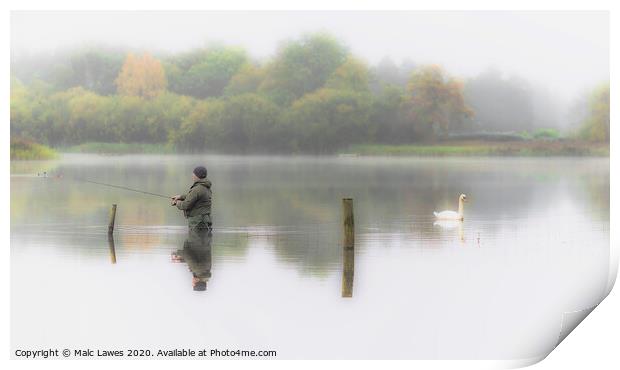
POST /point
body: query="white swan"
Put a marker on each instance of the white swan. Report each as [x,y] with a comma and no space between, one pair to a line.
[451,215]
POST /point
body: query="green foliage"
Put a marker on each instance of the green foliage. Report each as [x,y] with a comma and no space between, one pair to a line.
[23,149]
[204,74]
[33,111]
[166,113]
[490,136]
[203,119]
[596,125]
[77,115]
[327,119]
[546,133]
[246,80]
[302,66]
[119,148]
[248,123]
[537,148]
[243,123]
[313,96]
[351,75]
[421,150]
[538,134]
[387,123]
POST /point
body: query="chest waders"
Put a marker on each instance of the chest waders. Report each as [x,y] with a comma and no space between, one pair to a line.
[200,221]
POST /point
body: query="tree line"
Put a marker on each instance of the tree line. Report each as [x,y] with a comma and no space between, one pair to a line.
[313,96]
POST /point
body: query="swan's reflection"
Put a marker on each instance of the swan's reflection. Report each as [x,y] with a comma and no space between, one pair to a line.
[449,225]
[196,253]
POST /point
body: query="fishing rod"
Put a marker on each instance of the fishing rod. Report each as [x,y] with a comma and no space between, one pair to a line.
[45,175]
[124,188]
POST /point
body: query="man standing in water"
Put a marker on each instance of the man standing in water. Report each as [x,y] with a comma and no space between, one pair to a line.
[196,204]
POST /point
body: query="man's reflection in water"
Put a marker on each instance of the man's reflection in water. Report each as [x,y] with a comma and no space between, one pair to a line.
[196,253]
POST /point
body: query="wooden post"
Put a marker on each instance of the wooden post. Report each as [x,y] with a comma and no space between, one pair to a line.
[348,223]
[112,248]
[348,268]
[112,217]
[348,253]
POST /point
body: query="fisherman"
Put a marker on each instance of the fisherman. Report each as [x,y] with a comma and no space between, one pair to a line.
[196,204]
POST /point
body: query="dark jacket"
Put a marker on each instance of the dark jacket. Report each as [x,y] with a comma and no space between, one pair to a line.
[197,201]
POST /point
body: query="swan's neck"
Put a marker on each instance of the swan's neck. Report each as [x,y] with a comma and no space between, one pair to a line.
[461,208]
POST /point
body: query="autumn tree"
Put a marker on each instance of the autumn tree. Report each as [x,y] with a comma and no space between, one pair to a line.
[246,80]
[141,75]
[596,125]
[434,101]
[350,75]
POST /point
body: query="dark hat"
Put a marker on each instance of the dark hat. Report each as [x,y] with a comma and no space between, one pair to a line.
[200,172]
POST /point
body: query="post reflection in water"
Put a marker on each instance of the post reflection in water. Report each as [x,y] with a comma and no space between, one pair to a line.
[112,248]
[348,268]
[196,253]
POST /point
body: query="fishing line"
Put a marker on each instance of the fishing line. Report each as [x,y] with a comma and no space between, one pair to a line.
[123,187]
[101,183]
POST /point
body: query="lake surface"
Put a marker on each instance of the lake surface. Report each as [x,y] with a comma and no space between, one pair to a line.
[533,248]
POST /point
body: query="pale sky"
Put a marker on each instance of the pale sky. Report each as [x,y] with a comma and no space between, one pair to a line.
[566,52]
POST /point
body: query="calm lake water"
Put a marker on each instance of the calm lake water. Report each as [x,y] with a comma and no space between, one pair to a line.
[534,246]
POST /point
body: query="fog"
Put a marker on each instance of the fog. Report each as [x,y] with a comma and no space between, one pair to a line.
[565,52]
[404,77]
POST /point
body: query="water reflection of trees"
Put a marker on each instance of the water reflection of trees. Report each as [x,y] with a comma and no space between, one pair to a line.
[303,195]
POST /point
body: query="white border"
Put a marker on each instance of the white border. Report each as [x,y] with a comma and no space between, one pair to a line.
[593,344]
